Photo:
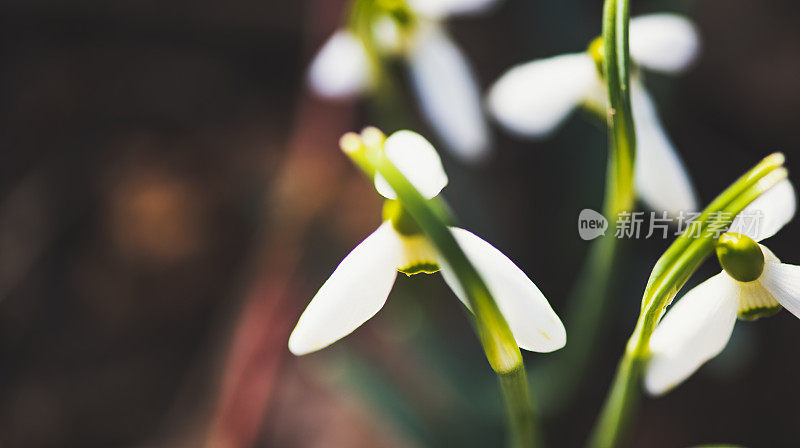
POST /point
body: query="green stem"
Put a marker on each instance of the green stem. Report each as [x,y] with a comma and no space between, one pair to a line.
[621,402]
[669,275]
[558,381]
[521,415]
[387,101]
[588,301]
[495,335]
[498,342]
[622,135]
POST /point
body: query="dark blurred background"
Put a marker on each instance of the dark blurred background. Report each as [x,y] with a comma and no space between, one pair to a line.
[171,197]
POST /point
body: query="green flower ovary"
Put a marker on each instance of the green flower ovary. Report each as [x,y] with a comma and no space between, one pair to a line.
[399,11]
[402,221]
[743,260]
[595,50]
[740,257]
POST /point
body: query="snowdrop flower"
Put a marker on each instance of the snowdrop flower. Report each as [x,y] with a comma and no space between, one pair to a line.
[753,284]
[534,98]
[443,81]
[360,285]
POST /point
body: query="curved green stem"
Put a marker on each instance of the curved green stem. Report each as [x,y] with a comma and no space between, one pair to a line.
[498,342]
[669,275]
[495,335]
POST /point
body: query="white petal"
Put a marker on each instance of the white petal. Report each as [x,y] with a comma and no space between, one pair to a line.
[341,68]
[660,177]
[417,160]
[768,213]
[783,282]
[448,94]
[532,99]
[664,42]
[755,300]
[695,330]
[438,9]
[355,291]
[533,322]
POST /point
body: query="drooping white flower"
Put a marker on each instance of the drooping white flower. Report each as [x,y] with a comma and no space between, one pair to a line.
[698,327]
[341,68]
[448,93]
[443,80]
[534,98]
[360,285]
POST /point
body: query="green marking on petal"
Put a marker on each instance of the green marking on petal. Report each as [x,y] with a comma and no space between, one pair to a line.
[419,256]
[420,268]
[758,313]
[756,302]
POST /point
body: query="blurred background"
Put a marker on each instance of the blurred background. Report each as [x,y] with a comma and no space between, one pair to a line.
[171,197]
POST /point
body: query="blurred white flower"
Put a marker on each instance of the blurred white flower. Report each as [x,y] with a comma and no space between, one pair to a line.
[341,68]
[446,87]
[360,285]
[698,327]
[534,98]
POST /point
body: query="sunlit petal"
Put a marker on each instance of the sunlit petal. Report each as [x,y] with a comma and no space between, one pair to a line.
[355,291]
[438,9]
[783,282]
[695,330]
[664,42]
[417,160]
[660,177]
[533,322]
[766,215]
[448,94]
[532,99]
[341,68]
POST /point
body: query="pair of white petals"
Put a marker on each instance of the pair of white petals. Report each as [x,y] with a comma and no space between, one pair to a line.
[360,285]
[534,98]
[698,327]
[442,78]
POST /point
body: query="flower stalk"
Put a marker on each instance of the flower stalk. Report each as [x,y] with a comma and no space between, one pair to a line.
[521,417]
[386,100]
[670,273]
[592,290]
[498,342]
[620,192]
[558,382]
